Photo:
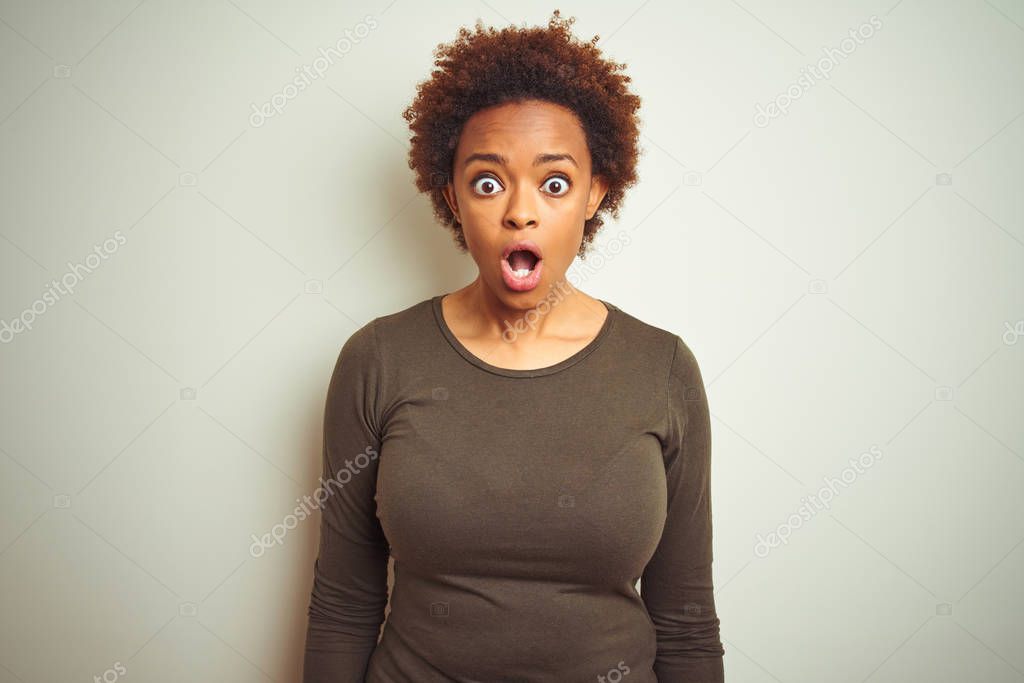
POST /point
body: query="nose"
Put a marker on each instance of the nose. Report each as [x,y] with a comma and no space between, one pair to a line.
[521,211]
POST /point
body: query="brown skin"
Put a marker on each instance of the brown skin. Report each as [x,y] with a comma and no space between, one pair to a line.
[523,202]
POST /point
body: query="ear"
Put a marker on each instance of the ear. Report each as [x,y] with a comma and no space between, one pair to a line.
[598,189]
[449,196]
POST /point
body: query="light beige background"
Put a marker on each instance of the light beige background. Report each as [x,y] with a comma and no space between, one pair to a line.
[850,276]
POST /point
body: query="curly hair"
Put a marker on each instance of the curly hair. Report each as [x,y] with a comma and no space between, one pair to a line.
[489,67]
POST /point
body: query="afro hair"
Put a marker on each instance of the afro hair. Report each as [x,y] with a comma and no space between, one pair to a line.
[488,67]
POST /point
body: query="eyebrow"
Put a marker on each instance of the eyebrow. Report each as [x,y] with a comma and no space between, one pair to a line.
[503,160]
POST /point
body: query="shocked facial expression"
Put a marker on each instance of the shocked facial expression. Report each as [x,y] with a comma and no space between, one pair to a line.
[522,189]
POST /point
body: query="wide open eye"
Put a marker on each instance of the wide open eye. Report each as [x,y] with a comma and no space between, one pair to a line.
[558,185]
[486,185]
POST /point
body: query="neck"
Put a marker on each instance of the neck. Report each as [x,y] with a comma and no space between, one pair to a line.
[556,312]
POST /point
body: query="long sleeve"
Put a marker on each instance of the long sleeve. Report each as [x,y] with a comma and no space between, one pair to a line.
[676,585]
[349,594]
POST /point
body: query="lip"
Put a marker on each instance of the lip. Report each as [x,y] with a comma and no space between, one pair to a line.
[522,245]
[521,284]
[524,284]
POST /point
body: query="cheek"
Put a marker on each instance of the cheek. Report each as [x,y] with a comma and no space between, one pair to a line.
[561,254]
[483,248]
[574,216]
[572,232]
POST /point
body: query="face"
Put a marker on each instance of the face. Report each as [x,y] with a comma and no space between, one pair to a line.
[522,172]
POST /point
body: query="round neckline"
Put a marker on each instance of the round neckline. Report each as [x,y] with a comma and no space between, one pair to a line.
[442,324]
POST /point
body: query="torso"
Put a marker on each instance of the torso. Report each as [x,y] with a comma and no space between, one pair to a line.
[521,506]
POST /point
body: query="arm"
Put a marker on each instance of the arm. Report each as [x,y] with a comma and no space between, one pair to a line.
[676,585]
[346,607]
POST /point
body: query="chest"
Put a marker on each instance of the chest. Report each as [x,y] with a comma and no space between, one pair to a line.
[505,479]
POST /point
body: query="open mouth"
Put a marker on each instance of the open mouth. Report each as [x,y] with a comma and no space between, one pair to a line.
[522,256]
[521,265]
[522,261]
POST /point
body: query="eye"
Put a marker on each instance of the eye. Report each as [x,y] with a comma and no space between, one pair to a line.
[486,185]
[558,185]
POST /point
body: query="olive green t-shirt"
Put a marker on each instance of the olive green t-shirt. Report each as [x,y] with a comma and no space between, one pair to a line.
[521,507]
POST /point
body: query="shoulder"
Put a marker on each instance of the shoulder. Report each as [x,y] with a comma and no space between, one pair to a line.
[361,345]
[667,348]
[400,333]
[384,332]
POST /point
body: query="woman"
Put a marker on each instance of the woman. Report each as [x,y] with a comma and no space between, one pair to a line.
[524,452]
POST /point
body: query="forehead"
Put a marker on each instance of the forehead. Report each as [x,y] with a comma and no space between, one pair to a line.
[524,127]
